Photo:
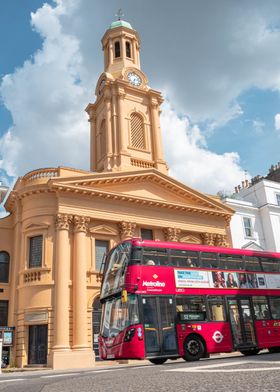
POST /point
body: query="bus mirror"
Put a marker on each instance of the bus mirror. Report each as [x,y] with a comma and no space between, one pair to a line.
[124,296]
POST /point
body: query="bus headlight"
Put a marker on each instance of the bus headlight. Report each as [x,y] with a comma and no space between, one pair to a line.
[129,335]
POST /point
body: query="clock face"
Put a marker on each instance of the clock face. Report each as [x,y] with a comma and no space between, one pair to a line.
[134,79]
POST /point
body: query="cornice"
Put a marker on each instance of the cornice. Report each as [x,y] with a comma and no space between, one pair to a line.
[136,200]
[152,176]
[17,195]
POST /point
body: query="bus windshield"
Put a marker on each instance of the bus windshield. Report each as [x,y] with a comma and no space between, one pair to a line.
[115,265]
[118,315]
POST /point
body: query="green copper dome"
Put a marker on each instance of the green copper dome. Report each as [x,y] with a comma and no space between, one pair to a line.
[121,23]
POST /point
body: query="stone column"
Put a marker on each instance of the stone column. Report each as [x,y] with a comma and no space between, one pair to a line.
[115,141]
[109,146]
[157,141]
[80,330]
[172,234]
[62,277]
[12,320]
[93,141]
[121,124]
[110,54]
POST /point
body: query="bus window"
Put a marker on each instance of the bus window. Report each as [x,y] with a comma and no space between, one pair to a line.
[274,303]
[157,256]
[252,263]
[216,308]
[133,309]
[106,316]
[190,303]
[183,258]
[261,308]
[116,262]
[228,261]
[270,265]
[209,260]
[120,317]
[191,308]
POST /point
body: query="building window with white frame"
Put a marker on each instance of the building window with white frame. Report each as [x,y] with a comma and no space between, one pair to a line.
[101,248]
[278,199]
[35,251]
[247,223]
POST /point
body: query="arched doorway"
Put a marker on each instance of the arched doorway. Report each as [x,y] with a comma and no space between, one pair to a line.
[96,319]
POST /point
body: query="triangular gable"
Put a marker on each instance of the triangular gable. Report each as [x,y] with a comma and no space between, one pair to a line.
[252,245]
[150,185]
[103,229]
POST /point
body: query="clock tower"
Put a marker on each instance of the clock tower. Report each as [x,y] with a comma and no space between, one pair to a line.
[125,124]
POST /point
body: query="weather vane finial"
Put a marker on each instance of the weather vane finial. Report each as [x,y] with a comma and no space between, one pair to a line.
[119,14]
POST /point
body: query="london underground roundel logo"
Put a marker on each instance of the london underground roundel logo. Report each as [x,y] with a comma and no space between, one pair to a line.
[217,336]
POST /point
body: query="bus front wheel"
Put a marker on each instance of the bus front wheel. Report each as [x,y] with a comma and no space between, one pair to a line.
[250,352]
[158,361]
[194,348]
[273,350]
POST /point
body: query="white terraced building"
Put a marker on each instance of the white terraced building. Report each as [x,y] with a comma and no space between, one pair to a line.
[256,223]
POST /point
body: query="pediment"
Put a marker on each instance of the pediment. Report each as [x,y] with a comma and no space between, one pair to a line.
[146,185]
[252,245]
[103,229]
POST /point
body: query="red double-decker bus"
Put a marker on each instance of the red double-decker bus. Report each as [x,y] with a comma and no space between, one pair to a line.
[164,300]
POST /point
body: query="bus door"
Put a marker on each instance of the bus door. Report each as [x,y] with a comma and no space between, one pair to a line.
[242,323]
[159,326]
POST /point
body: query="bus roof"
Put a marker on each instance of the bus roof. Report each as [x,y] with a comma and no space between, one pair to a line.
[197,247]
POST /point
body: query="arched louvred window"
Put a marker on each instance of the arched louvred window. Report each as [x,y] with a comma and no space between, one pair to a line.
[127,49]
[4,267]
[137,131]
[102,136]
[117,49]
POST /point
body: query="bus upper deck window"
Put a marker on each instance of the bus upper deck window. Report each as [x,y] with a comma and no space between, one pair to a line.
[154,256]
[136,255]
[183,258]
[269,264]
[209,260]
[252,263]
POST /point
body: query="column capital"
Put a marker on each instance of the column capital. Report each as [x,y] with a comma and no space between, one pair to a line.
[172,234]
[154,103]
[80,223]
[221,240]
[208,238]
[126,229]
[121,93]
[63,221]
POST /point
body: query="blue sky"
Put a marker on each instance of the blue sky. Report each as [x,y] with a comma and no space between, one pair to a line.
[218,67]
[18,42]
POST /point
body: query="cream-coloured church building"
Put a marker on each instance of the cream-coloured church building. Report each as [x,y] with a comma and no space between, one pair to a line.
[61,221]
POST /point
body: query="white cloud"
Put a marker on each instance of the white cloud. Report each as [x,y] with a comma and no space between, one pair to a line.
[47,101]
[277,121]
[204,65]
[191,162]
